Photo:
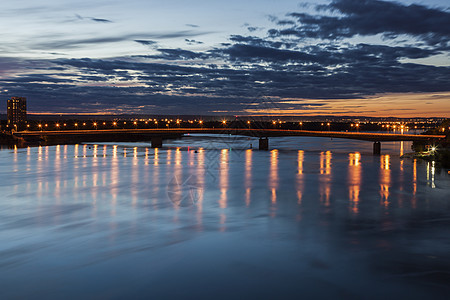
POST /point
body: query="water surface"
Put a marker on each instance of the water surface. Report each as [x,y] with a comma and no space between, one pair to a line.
[211,217]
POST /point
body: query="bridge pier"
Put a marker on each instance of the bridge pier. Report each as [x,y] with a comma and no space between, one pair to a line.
[157,142]
[376,148]
[263,144]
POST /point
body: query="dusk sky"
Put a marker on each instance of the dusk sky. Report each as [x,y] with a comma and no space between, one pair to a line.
[341,57]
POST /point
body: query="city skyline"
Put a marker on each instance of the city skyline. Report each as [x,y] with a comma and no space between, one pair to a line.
[344,57]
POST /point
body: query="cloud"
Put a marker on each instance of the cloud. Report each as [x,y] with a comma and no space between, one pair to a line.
[167,87]
[308,78]
[146,42]
[192,42]
[254,28]
[101,20]
[369,17]
[176,54]
[257,41]
[250,49]
[76,43]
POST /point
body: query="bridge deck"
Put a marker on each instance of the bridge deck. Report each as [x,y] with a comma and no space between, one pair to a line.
[235,131]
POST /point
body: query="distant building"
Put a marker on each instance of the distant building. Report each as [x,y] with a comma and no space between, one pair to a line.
[17,111]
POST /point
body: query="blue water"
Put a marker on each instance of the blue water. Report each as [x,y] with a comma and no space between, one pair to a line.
[208,217]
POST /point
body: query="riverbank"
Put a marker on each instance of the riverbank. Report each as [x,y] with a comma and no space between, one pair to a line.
[440,156]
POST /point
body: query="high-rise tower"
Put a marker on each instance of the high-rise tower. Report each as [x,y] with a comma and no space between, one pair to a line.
[17,111]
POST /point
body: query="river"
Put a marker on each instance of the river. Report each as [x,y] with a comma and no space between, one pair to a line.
[211,217]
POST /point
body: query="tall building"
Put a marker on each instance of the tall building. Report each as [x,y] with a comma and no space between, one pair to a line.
[17,111]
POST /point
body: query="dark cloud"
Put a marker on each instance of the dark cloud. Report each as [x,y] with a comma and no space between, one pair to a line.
[256,41]
[167,87]
[146,42]
[176,54]
[101,20]
[370,17]
[250,53]
[250,49]
[254,28]
[192,25]
[192,42]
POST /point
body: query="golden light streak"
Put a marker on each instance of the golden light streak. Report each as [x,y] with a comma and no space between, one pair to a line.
[385,179]
[325,181]
[248,176]
[300,178]
[223,178]
[354,181]
[273,175]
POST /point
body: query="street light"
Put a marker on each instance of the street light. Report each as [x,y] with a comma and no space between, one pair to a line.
[433,149]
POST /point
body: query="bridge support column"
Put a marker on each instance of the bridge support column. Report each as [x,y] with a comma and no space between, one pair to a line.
[157,142]
[263,144]
[376,148]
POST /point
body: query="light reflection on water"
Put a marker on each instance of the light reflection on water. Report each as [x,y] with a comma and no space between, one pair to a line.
[385,178]
[319,215]
[354,183]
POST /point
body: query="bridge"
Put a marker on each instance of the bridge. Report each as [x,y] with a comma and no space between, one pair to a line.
[156,136]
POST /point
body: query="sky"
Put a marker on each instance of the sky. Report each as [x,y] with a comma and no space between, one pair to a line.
[253,57]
